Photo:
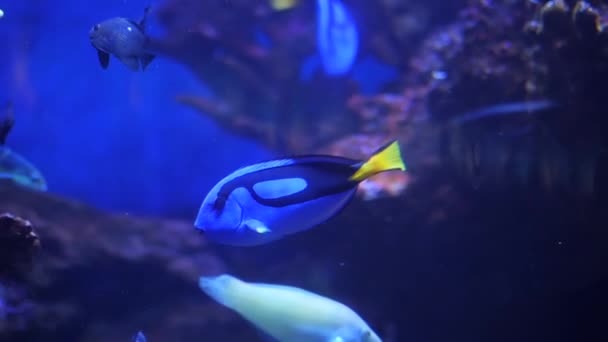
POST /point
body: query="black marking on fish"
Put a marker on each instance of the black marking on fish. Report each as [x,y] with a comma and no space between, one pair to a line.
[104,58]
[325,176]
[7,124]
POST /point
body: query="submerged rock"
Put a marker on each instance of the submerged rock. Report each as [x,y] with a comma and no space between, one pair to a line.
[489,256]
[96,268]
[18,243]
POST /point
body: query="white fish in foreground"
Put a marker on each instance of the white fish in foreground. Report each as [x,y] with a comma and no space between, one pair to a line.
[289,314]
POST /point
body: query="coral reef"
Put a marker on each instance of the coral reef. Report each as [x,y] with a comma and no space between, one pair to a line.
[499,51]
[18,243]
[111,274]
[258,93]
[95,267]
[101,276]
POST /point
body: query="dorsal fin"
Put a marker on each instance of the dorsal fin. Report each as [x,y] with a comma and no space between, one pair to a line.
[142,22]
[135,23]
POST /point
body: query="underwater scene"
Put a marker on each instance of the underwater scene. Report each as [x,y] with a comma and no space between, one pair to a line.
[304,170]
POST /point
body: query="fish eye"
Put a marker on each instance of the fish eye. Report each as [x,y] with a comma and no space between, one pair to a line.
[96,27]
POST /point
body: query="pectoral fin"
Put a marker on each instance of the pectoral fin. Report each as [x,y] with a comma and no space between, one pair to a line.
[256,226]
[104,58]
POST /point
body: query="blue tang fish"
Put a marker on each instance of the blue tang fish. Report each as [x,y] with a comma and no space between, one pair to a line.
[289,314]
[337,37]
[264,202]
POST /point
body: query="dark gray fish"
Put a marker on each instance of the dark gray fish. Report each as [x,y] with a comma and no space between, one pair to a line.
[123,38]
[139,337]
[7,123]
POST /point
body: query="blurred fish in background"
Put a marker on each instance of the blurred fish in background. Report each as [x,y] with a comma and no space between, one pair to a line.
[13,166]
[123,38]
[519,150]
[337,39]
[337,36]
[16,168]
[505,109]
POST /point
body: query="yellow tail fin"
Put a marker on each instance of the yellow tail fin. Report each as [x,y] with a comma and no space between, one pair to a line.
[387,158]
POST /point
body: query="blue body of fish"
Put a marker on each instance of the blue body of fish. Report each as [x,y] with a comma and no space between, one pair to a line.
[266,201]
